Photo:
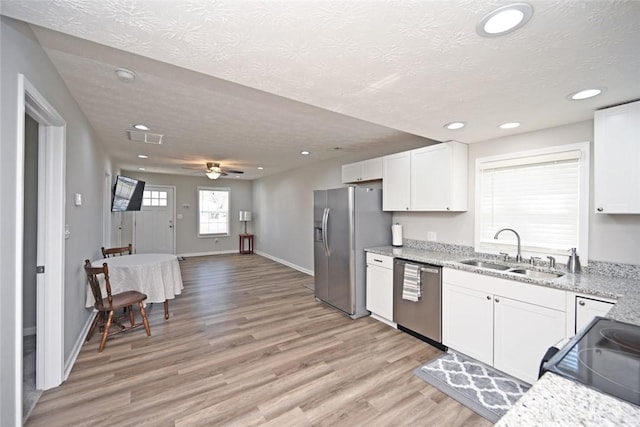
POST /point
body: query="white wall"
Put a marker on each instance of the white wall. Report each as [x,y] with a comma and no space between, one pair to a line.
[612,238]
[187,240]
[21,53]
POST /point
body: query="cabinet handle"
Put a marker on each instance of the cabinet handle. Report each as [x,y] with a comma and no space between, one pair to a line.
[489,297]
[377,260]
[497,299]
[600,209]
[448,208]
[581,303]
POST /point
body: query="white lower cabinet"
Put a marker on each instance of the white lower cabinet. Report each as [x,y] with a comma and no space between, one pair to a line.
[522,334]
[503,323]
[380,287]
[588,308]
[467,321]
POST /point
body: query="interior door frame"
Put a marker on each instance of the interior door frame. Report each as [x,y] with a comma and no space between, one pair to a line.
[50,238]
[173,216]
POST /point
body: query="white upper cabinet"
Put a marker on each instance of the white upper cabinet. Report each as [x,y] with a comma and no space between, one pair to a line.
[616,159]
[439,177]
[366,170]
[432,178]
[396,182]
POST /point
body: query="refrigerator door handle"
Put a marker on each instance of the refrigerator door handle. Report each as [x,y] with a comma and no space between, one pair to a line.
[325,221]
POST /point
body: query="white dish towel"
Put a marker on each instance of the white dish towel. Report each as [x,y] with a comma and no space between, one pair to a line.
[411,284]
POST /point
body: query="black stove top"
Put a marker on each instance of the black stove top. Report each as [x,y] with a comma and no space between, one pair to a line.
[604,356]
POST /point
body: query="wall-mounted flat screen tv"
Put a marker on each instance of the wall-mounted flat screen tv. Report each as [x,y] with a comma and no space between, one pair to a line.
[127,194]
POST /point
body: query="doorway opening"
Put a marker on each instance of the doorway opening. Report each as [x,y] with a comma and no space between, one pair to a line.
[49,238]
[30,394]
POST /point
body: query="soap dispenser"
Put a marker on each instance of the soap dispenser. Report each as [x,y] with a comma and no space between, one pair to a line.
[573,263]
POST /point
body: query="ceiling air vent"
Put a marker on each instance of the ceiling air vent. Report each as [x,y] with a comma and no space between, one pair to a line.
[146,137]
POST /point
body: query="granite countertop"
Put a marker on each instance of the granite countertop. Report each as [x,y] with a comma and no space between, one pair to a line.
[625,291]
[553,400]
[557,401]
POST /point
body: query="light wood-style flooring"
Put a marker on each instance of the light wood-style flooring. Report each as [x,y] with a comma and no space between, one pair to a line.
[247,344]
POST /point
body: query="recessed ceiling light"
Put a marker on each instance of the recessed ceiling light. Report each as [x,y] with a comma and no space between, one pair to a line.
[124,75]
[260,168]
[509,125]
[455,125]
[585,94]
[141,169]
[140,127]
[504,20]
[305,152]
[142,156]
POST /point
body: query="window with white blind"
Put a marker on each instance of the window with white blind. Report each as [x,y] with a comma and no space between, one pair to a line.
[213,211]
[542,194]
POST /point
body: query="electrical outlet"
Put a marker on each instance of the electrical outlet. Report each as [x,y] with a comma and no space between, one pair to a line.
[432,236]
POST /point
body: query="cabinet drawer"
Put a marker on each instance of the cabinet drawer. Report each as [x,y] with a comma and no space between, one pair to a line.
[380,260]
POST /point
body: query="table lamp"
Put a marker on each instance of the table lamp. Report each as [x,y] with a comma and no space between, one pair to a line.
[245,216]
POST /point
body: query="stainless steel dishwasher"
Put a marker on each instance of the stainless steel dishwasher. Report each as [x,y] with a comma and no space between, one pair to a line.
[424,316]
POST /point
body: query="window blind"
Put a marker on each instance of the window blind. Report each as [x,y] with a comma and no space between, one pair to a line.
[538,196]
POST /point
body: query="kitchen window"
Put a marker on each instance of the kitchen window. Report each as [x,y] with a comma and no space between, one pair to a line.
[213,211]
[542,194]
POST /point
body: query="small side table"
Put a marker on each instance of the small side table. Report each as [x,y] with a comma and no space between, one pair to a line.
[243,240]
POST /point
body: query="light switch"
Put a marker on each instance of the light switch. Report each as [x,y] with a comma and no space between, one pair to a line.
[78,199]
[67,233]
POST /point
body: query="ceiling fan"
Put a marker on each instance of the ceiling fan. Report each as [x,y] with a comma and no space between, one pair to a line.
[214,171]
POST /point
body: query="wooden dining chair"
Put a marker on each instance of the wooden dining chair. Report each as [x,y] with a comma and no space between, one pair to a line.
[106,306]
[108,253]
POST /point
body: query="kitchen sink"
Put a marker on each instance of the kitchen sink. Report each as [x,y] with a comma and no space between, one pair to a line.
[485,264]
[536,274]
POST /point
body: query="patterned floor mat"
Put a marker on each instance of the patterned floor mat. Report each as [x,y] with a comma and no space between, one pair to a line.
[484,390]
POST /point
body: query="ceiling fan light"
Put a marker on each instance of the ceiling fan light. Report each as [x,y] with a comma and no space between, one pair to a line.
[212,174]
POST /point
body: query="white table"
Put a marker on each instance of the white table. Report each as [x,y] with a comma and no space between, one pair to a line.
[156,275]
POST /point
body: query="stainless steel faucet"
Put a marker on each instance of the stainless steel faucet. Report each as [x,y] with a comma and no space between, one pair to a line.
[519,255]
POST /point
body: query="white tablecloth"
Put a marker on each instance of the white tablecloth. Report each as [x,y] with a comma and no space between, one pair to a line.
[156,275]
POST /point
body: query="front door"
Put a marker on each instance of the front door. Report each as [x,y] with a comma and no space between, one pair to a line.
[154,230]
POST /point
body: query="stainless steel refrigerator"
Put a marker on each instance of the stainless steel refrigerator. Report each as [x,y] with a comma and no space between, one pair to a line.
[346,221]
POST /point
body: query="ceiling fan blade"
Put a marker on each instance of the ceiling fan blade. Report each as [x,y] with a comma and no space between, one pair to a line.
[232,171]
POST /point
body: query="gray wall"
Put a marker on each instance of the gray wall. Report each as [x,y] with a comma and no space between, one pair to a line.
[283,203]
[187,240]
[612,238]
[30,223]
[21,53]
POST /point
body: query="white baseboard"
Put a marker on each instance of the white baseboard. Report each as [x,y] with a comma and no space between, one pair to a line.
[28,331]
[78,346]
[207,253]
[266,255]
[287,263]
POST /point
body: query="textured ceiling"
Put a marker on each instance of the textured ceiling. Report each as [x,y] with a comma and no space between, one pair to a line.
[253,83]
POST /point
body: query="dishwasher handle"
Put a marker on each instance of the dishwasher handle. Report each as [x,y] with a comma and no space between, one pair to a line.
[429,270]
